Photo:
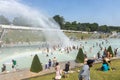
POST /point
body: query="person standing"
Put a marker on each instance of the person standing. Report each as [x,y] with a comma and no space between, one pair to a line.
[49,63]
[54,61]
[85,71]
[98,55]
[58,71]
[46,66]
[14,64]
[115,52]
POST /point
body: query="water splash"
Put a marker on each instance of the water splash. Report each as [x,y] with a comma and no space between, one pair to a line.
[13,8]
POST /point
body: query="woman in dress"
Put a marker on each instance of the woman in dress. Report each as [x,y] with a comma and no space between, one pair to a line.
[58,71]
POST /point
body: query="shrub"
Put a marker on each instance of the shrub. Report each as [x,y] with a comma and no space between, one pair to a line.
[80,56]
[82,37]
[36,65]
[110,50]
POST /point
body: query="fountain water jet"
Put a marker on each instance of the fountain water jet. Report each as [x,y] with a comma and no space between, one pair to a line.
[13,8]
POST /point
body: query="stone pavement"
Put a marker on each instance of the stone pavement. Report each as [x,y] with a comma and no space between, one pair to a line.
[22,74]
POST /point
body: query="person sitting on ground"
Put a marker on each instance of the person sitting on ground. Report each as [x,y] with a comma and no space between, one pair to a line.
[105,65]
[109,63]
[67,68]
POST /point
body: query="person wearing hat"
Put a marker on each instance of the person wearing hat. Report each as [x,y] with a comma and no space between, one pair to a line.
[85,71]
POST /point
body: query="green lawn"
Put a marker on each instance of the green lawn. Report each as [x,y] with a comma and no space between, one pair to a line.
[95,74]
[78,35]
[34,36]
[16,36]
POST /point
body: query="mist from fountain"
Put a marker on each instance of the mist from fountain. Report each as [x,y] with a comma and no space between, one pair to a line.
[14,8]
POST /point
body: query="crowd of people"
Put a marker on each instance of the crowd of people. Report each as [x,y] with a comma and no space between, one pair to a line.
[51,63]
[84,74]
[58,69]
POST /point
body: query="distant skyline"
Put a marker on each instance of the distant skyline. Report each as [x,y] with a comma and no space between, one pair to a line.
[103,12]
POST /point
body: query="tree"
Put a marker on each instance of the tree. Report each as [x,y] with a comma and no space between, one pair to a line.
[36,65]
[110,50]
[87,29]
[4,20]
[94,27]
[84,26]
[67,25]
[80,56]
[59,20]
[74,25]
[82,37]
[78,26]
[103,28]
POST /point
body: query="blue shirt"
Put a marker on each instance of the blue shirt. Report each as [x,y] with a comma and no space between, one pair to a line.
[105,67]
